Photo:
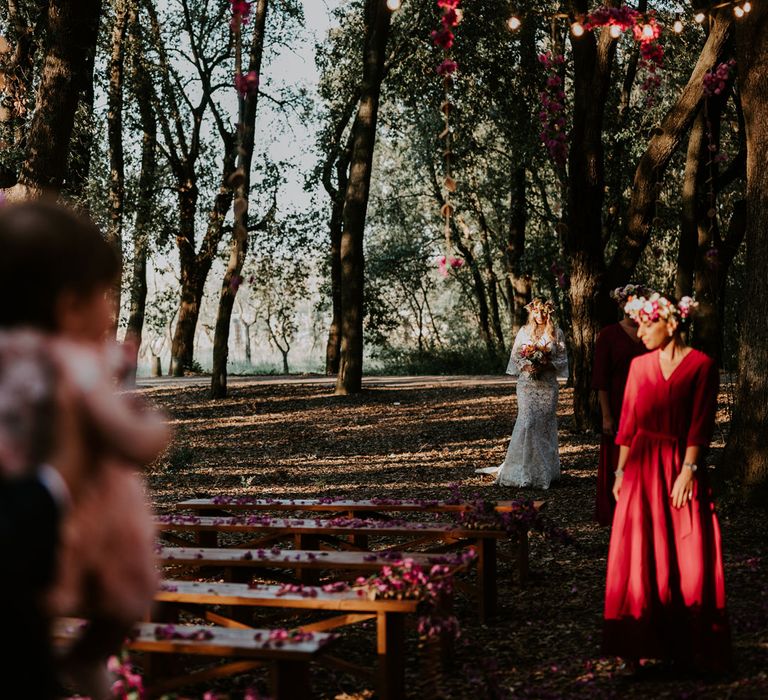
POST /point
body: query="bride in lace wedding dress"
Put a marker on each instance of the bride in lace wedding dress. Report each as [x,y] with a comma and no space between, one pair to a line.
[538,359]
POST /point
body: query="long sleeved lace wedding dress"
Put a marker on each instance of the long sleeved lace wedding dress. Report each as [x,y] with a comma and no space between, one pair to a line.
[532,458]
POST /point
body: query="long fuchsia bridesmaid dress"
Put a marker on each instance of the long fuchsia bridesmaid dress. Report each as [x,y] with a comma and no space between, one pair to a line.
[614,352]
[665,592]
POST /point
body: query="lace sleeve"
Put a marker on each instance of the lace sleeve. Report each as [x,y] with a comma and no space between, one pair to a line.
[515,361]
[560,356]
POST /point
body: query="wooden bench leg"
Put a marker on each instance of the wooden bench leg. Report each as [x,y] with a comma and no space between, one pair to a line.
[486,578]
[390,643]
[309,577]
[290,680]
[522,557]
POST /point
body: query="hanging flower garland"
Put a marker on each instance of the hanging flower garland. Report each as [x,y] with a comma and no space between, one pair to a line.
[443,38]
[552,114]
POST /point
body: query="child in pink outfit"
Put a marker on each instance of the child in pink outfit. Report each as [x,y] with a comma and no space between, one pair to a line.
[107,569]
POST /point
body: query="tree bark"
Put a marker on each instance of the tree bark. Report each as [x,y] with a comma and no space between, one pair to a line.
[72,32]
[518,284]
[142,88]
[747,449]
[239,246]
[115,142]
[593,62]
[18,54]
[691,209]
[377,22]
[340,162]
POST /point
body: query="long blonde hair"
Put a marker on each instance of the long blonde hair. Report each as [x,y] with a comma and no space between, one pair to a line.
[549,327]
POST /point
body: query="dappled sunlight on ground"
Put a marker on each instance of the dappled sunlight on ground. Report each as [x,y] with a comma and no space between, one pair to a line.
[415,441]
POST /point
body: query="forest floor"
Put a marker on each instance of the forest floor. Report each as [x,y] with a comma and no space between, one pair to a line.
[414,440]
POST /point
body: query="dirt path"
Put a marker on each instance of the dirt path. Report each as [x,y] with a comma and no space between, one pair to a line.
[413,437]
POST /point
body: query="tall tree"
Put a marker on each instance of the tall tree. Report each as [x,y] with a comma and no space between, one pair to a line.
[115,139]
[747,448]
[67,72]
[141,86]
[182,133]
[378,20]
[248,102]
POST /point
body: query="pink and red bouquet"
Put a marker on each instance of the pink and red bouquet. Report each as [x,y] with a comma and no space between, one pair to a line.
[536,355]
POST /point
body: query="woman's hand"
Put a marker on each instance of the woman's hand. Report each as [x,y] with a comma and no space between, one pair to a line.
[609,426]
[682,490]
[617,485]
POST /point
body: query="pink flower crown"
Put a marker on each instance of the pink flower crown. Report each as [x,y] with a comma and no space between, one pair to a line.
[659,308]
[541,305]
[622,294]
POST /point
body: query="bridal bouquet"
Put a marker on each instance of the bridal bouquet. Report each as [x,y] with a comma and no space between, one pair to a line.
[538,356]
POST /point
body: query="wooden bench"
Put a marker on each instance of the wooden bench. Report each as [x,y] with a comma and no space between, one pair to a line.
[244,504]
[389,616]
[288,661]
[307,533]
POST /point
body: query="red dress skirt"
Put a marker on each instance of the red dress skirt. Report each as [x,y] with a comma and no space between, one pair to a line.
[665,590]
[614,352]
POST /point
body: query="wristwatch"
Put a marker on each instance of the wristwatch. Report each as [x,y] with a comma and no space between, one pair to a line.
[690,465]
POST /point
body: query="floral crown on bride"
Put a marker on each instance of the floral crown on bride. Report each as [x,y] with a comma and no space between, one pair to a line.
[658,308]
[538,304]
[621,295]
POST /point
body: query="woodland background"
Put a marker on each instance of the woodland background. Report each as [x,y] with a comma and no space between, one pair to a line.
[297,226]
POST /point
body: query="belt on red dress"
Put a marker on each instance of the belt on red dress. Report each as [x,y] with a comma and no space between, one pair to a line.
[658,436]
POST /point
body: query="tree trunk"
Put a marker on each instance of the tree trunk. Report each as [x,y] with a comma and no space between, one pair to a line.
[239,246]
[18,54]
[143,225]
[115,141]
[286,369]
[691,209]
[377,22]
[66,73]
[593,62]
[482,303]
[518,284]
[747,448]
[664,143]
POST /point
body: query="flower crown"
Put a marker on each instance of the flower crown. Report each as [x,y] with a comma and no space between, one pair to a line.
[544,305]
[622,294]
[659,308]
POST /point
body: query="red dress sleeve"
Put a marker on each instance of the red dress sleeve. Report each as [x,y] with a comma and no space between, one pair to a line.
[704,405]
[601,370]
[628,422]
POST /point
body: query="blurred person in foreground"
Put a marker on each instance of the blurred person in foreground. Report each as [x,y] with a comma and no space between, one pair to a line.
[55,274]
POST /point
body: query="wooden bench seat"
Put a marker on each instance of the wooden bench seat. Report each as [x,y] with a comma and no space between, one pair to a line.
[306,534]
[244,504]
[388,613]
[289,660]
[290,558]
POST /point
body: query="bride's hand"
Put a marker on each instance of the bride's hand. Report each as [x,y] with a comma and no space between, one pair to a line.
[682,489]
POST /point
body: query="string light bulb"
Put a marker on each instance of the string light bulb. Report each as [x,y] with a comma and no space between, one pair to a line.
[615,31]
[699,17]
[677,27]
[738,11]
[393,5]
[747,6]
[514,23]
[577,29]
[647,31]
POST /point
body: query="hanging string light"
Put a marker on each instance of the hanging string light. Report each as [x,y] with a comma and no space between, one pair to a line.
[615,31]
[514,23]
[699,17]
[677,27]
[577,29]
[393,5]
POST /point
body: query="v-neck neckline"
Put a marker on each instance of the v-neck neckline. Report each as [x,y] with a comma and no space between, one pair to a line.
[677,367]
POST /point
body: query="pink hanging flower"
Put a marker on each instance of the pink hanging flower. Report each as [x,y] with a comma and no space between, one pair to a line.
[240,9]
[447,67]
[248,84]
[443,38]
